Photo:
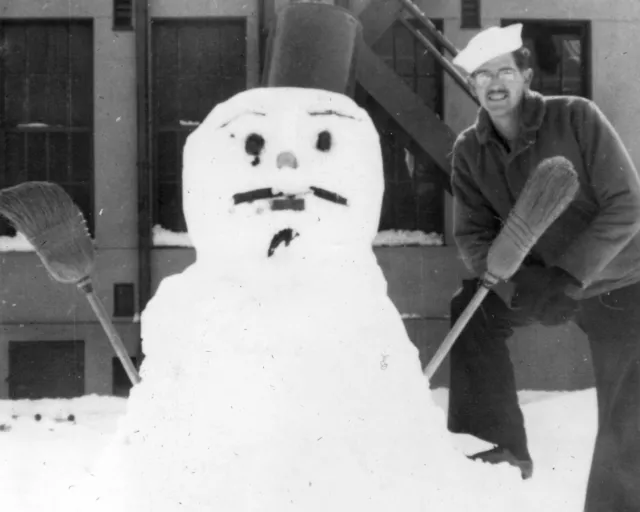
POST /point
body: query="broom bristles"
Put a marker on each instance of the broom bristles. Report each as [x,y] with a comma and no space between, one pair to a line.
[54,225]
[548,192]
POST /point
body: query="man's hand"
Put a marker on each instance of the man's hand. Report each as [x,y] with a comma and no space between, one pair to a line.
[540,294]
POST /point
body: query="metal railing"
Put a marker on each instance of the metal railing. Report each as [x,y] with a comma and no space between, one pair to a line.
[428,25]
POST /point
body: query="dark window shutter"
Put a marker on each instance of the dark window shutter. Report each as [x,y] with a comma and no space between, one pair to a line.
[470,14]
[123,300]
[122,14]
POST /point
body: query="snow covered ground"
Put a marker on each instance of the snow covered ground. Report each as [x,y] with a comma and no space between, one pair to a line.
[46,445]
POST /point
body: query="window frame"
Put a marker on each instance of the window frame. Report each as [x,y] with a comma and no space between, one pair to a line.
[155,128]
[21,128]
[391,207]
[580,27]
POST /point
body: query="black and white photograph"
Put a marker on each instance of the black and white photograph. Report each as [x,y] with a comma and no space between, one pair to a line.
[319,256]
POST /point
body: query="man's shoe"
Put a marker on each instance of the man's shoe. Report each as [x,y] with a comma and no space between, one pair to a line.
[499,455]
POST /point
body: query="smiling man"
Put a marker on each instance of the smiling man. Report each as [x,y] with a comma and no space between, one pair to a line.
[586,267]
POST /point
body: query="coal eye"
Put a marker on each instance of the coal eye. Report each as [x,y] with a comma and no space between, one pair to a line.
[324,141]
[254,144]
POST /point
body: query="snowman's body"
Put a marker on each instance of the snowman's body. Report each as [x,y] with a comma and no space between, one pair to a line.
[284,382]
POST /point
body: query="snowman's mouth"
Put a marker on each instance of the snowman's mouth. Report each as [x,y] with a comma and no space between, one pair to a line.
[282,201]
[284,236]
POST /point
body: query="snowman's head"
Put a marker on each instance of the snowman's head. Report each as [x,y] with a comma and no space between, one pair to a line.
[279,169]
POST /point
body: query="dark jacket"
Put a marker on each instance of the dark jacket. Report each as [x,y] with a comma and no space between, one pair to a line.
[597,239]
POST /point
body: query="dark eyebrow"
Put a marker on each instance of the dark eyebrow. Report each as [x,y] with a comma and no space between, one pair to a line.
[330,113]
[248,112]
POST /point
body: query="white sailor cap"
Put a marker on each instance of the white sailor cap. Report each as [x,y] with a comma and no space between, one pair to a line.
[489,44]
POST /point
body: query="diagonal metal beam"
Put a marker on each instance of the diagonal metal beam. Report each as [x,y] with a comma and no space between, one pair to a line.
[377,17]
[441,59]
[406,107]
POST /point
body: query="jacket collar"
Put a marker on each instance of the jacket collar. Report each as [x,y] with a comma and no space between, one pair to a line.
[532,114]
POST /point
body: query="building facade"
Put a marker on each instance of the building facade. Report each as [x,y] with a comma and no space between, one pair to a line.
[76,100]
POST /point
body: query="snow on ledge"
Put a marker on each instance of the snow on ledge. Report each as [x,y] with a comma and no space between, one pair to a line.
[393,238]
[33,125]
[164,238]
[17,243]
[411,316]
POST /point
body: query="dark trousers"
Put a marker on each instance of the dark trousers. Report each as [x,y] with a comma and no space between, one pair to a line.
[483,400]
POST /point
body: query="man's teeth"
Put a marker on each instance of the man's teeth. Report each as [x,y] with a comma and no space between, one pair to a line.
[497,95]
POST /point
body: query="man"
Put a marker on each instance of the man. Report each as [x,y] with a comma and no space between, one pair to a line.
[586,267]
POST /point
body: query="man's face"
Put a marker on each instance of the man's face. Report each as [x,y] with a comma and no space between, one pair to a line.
[499,84]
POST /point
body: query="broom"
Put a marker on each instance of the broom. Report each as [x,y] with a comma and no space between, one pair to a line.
[45,214]
[547,193]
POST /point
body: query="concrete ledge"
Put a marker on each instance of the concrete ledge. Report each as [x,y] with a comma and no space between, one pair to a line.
[30,295]
[421,280]
[546,359]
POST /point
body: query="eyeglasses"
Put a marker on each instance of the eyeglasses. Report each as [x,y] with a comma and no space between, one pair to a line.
[483,78]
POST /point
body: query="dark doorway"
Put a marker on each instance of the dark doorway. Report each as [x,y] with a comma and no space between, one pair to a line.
[46,369]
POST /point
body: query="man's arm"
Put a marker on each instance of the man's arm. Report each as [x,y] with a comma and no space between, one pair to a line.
[475,224]
[616,186]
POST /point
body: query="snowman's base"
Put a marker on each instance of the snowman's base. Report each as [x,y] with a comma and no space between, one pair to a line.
[306,404]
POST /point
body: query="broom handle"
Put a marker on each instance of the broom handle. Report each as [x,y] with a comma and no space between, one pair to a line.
[455,331]
[87,287]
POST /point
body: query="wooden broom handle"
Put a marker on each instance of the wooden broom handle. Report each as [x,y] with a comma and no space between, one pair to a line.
[116,342]
[452,336]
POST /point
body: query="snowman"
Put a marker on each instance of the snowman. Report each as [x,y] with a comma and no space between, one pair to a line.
[278,374]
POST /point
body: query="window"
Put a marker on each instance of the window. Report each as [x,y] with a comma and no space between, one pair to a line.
[402,51]
[122,14]
[470,14]
[414,185]
[46,108]
[559,55]
[196,64]
[123,300]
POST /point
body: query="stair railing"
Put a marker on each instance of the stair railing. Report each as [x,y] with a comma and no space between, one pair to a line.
[431,48]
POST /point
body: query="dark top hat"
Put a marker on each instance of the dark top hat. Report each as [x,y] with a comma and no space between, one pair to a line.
[313,45]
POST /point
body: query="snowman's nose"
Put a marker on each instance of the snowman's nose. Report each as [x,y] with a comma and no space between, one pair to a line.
[286,159]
